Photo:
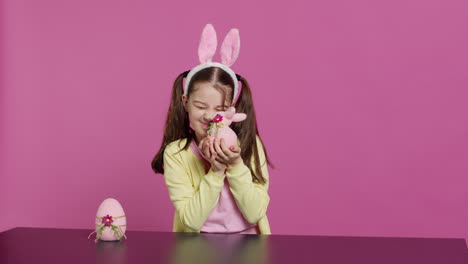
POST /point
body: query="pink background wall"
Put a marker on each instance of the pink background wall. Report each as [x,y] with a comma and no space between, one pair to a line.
[365,118]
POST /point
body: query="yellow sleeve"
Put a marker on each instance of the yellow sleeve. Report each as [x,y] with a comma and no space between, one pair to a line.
[193,206]
[251,198]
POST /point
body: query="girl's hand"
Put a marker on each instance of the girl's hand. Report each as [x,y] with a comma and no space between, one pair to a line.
[207,148]
[229,156]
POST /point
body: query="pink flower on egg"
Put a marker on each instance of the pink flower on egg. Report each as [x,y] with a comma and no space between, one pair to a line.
[218,118]
[107,220]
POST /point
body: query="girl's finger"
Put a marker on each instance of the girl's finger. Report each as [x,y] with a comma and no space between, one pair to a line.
[212,154]
[203,146]
[235,149]
[219,164]
[200,144]
[206,150]
[219,150]
[218,159]
[213,157]
[225,149]
[212,148]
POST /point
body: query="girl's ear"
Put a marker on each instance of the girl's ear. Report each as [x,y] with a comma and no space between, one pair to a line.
[184,101]
[239,117]
[230,47]
[207,45]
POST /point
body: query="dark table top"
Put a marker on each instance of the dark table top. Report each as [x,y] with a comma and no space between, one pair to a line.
[49,245]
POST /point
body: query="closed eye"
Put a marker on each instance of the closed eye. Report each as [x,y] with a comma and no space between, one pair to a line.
[219,109]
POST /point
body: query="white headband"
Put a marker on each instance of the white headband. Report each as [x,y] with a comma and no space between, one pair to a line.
[206,50]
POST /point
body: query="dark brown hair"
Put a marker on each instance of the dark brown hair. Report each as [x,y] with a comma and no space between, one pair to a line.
[178,126]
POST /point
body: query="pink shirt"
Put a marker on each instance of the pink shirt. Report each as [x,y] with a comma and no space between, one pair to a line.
[225,216]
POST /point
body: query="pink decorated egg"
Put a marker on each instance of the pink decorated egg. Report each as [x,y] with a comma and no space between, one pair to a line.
[110,220]
[219,126]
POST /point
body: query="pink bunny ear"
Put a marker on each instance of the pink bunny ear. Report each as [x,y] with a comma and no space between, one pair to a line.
[208,43]
[239,117]
[230,47]
[230,112]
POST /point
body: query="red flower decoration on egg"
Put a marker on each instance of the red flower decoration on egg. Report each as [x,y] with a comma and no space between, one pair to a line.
[107,220]
[218,118]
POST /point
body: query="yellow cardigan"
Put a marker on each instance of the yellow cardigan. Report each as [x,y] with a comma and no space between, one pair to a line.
[194,194]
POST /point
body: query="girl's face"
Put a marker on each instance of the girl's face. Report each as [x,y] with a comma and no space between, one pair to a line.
[204,102]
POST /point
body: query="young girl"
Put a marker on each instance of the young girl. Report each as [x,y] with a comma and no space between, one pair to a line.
[214,188]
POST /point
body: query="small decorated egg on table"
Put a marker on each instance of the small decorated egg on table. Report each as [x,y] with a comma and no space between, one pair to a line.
[110,221]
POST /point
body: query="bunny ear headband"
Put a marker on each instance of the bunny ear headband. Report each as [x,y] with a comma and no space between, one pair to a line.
[206,50]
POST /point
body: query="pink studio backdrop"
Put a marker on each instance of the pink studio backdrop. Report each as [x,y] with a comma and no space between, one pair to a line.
[361,104]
